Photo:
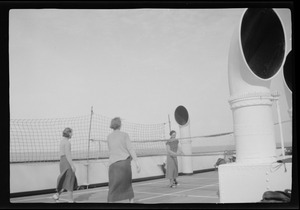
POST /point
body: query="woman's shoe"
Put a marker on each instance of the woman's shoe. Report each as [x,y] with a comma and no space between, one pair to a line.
[71,202]
[55,196]
[172,186]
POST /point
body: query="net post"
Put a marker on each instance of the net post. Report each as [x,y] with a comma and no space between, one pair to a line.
[169,123]
[88,155]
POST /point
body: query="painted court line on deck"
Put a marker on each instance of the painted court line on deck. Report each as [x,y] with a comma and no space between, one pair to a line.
[47,196]
[201,178]
[189,184]
[81,192]
[196,196]
[86,191]
[150,183]
[161,195]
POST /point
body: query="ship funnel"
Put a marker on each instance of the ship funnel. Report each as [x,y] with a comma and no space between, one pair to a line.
[256,55]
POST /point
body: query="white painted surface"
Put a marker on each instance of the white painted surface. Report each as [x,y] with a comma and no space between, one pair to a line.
[246,183]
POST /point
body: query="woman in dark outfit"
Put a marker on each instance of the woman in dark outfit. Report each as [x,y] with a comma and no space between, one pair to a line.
[172,162]
[121,153]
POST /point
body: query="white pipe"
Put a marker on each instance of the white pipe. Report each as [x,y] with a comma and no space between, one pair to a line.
[276,98]
[280,127]
[182,118]
[186,145]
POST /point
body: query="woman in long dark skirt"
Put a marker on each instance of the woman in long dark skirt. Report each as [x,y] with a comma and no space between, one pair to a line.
[67,179]
[121,153]
[172,162]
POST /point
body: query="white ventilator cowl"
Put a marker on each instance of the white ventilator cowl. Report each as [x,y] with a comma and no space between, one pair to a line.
[256,54]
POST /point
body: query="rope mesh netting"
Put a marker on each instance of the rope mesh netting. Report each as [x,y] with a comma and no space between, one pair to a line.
[37,140]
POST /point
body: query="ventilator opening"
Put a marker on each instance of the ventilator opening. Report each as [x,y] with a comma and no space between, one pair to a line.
[263,41]
[289,71]
[181,115]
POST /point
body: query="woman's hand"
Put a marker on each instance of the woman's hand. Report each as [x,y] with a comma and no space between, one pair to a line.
[73,168]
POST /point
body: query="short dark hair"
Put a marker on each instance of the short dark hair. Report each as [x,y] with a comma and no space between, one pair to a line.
[115,123]
[172,131]
[66,133]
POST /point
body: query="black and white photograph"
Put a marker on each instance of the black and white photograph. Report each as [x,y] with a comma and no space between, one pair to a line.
[139,104]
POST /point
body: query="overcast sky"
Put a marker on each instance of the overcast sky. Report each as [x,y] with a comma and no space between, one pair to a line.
[138,64]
